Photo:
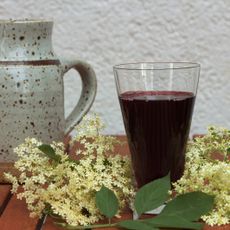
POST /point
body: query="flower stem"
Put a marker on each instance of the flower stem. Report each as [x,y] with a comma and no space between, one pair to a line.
[66,226]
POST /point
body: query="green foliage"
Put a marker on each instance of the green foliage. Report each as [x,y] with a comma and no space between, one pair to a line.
[189,206]
[49,152]
[136,225]
[107,202]
[173,221]
[180,212]
[207,169]
[228,151]
[152,195]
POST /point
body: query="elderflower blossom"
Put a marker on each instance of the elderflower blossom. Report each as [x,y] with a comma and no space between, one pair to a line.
[207,169]
[67,188]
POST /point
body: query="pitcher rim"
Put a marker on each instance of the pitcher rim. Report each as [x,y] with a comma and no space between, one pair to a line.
[25,20]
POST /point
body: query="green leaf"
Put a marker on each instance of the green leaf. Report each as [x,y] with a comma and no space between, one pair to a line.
[49,151]
[107,202]
[135,225]
[228,151]
[190,206]
[76,162]
[172,222]
[152,195]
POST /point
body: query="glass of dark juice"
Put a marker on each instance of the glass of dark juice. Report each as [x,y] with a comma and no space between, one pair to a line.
[157,100]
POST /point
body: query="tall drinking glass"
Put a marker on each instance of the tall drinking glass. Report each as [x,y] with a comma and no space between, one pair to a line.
[157,101]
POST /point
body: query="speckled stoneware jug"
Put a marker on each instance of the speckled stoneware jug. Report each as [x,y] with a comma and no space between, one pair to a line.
[31,86]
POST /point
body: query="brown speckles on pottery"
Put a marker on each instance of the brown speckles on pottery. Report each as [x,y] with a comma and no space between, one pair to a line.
[31,86]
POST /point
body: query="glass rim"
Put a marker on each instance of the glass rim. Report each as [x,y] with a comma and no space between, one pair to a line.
[137,65]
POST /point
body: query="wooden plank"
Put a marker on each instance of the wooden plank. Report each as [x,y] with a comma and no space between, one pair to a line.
[49,225]
[4,191]
[223,227]
[16,216]
[5,196]
[40,223]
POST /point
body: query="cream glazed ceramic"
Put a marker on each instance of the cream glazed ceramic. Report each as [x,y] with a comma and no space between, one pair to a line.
[31,86]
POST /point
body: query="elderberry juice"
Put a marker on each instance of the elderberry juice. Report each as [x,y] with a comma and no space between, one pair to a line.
[157,124]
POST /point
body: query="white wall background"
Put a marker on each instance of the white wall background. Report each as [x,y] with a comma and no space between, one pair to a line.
[108,32]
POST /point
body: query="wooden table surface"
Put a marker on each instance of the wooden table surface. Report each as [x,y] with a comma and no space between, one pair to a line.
[14,214]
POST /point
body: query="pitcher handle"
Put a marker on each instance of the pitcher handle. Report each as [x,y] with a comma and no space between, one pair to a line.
[88,92]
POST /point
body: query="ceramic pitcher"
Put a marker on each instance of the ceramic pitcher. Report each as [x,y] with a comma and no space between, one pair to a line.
[31,86]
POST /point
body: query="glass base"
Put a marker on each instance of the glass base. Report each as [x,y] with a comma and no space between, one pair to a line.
[152,212]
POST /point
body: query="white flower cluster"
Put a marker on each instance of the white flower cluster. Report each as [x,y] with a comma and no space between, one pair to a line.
[207,169]
[68,188]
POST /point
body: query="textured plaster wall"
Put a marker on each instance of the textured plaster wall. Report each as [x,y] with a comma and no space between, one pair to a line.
[107,32]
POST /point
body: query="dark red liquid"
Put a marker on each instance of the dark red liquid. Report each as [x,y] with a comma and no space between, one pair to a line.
[157,125]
